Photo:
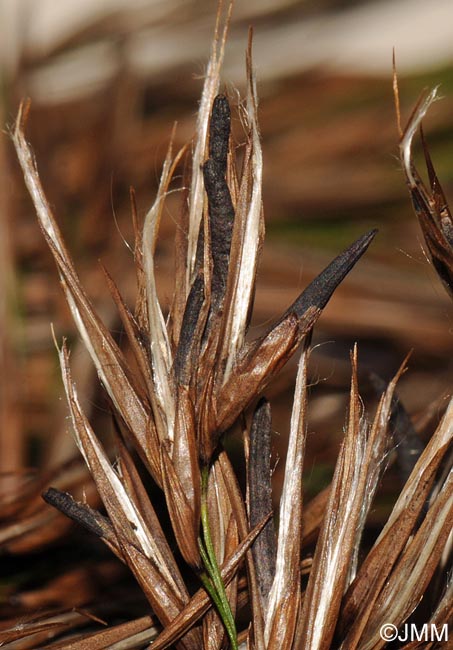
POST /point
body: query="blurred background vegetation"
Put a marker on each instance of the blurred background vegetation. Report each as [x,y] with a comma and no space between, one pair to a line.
[107,79]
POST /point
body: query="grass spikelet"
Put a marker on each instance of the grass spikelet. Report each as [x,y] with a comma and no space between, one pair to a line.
[216,570]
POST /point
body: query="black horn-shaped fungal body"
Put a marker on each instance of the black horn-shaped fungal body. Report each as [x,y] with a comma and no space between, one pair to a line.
[221,211]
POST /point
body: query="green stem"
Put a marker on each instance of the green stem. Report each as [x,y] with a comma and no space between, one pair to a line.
[212,579]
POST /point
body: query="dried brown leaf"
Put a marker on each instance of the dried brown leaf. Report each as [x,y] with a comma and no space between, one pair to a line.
[159,344]
[138,494]
[34,631]
[248,234]
[430,205]
[313,515]
[256,368]
[108,639]
[375,460]
[406,585]
[442,616]
[185,453]
[183,518]
[141,312]
[139,548]
[134,337]
[165,604]
[238,506]
[361,597]
[284,597]
[335,548]
[200,602]
[109,361]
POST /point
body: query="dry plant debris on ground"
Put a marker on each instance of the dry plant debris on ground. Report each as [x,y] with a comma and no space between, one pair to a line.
[218,570]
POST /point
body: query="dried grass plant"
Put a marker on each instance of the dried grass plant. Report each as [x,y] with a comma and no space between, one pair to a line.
[228,574]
